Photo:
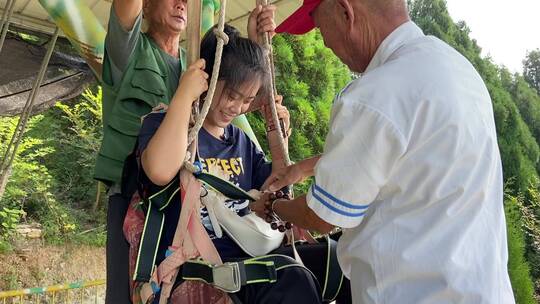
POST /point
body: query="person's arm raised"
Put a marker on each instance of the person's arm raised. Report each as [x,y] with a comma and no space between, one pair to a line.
[166,151]
[127,12]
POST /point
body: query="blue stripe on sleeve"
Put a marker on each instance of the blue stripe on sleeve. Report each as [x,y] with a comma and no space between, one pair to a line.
[337,200]
[334,209]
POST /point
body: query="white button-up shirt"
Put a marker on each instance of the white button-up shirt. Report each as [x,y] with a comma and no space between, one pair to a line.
[411,169]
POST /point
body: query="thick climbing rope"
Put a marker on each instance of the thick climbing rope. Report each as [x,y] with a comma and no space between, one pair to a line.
[267,45]
[223,39]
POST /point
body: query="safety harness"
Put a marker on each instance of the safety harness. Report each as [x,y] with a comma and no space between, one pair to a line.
[229,276]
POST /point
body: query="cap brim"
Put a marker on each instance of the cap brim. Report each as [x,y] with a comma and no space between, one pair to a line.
[300,22]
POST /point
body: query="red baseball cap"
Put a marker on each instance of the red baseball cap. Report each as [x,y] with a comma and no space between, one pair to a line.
[300,22]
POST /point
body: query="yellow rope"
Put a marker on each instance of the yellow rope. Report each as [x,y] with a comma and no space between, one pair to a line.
[50,289]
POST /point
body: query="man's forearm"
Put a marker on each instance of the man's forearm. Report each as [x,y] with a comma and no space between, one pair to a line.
[308,166]
[298,212]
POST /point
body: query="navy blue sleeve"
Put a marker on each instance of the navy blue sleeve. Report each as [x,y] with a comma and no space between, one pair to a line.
[149,127]
[261,168]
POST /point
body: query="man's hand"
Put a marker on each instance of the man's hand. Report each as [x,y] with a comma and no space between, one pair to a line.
[283,177]
[261,20]
[290,175]
[258,205]
[294,211]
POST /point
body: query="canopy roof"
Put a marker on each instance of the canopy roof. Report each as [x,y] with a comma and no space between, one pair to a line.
[30,14]
[66,76]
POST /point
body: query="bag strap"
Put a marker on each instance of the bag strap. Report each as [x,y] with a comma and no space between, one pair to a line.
[226,188]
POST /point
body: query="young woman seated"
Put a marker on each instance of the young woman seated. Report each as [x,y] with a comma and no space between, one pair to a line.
[226,151]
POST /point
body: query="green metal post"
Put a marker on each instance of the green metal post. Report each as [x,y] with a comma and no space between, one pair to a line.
[6,19]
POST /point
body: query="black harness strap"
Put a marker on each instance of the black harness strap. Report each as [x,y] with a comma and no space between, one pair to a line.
[224,187]
[334,275]
[262,269]
[153,227]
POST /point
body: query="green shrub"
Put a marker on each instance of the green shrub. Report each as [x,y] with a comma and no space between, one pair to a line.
[518,268]
[51,176]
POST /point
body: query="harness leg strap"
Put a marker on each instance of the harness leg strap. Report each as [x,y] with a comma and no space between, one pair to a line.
[231,276]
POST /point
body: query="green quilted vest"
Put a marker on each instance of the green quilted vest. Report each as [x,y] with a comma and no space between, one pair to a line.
[143,86]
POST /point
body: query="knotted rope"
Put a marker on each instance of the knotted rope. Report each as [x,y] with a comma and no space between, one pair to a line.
[223,39]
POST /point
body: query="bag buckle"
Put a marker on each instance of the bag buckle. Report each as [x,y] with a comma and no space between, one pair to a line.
[227,277]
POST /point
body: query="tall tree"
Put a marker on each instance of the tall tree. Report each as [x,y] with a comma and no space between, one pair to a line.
[531,69]
[308,75]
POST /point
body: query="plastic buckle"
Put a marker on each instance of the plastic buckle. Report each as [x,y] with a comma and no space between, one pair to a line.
[198,165]
[227,277]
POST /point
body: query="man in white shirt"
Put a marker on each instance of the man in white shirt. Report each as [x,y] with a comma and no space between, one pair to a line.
[411,167]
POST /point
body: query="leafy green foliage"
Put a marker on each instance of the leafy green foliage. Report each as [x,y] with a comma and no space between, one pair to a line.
[9,218]
[79,130]
[518,268]
[531,69]
[5,245]
[528,206]
[52,172]
[308,75]
[29,187]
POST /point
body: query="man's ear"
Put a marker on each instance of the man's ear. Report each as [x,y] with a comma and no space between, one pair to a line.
[346,10]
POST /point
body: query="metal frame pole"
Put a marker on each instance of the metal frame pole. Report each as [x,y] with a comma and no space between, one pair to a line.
[7,160]
[4,15]
[6,19]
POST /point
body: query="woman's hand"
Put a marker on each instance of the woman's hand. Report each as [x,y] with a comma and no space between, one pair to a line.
[282,112]
[194,81]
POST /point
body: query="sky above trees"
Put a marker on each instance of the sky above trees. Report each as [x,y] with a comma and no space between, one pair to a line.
[505,30]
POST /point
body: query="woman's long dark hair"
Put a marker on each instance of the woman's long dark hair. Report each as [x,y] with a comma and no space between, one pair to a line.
[242,60]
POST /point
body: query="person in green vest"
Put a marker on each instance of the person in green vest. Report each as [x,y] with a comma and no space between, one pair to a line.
[140,71]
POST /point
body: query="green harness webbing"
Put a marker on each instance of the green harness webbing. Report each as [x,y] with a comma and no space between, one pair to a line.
[224,187]
[153,227]
[231,276]
[254,270]
[155,218]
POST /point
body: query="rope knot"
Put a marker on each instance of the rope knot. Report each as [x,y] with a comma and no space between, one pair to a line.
[221,35]
[190,167]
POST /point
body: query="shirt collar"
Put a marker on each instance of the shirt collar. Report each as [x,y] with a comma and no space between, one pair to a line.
[401,35]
